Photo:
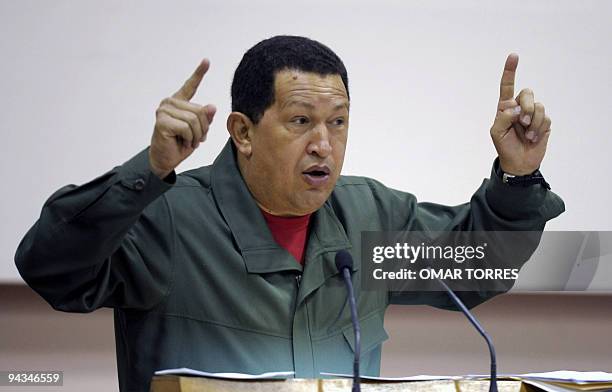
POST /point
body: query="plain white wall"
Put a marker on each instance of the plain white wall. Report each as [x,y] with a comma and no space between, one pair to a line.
[80,82]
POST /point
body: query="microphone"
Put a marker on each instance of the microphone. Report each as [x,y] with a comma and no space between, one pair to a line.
[344,264]
[481,331]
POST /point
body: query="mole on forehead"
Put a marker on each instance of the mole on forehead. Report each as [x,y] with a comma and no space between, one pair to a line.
[308,80]
[294,74]
[292,82]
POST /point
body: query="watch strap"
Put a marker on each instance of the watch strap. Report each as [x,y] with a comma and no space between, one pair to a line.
[530,179]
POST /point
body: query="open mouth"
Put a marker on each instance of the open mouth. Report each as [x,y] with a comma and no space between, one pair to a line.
[316,175]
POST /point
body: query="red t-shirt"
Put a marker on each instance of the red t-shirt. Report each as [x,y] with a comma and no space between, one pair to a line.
[289,232]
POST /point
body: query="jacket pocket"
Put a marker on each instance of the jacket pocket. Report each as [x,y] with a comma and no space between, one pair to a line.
[335,353]
[373,333]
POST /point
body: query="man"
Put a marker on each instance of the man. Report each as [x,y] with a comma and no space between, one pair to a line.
[230,267]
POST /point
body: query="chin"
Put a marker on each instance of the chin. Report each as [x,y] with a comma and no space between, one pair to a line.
[314,202]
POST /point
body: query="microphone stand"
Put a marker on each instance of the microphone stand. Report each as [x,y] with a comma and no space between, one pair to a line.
[481,331]
[351,295]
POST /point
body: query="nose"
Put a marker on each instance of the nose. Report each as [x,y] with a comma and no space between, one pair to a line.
[319,142]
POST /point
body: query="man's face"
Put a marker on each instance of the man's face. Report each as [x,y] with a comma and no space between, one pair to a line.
[297,148]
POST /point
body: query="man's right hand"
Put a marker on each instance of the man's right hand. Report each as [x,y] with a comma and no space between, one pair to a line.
[180,126]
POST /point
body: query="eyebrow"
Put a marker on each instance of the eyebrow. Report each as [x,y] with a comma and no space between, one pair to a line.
[294,102]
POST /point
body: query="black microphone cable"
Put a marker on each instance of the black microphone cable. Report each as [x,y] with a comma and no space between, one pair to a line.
[344,263]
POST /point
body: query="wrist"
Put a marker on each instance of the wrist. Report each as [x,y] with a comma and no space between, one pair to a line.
[514,170]
[155,169]
[522,180]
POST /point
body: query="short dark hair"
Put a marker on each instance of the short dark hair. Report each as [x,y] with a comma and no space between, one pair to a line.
[253,84]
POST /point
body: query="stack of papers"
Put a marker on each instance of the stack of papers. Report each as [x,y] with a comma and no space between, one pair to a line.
[561,380]
[557,381]
[569,381]
[395,379]
[226,376]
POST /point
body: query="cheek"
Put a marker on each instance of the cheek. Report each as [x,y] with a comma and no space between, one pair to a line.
[339,148]
[284,169]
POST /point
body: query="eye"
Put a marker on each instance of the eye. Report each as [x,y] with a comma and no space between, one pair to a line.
[339,121]
[300,120]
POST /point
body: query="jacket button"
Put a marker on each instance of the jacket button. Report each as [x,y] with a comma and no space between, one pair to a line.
[139,184]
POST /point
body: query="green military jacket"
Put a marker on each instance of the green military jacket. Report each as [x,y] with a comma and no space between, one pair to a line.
[196,279]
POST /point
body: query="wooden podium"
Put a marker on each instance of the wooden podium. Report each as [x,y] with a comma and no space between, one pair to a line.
[171,383]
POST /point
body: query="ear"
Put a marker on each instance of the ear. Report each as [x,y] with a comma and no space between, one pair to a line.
[240,129]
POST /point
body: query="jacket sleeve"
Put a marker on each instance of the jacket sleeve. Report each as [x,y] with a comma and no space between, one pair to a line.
[495,206]
[105,243]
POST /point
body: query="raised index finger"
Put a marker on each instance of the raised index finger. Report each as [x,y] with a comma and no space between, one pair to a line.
[189,88]
[506,88]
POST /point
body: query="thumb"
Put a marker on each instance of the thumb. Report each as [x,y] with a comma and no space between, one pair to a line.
[210,112]
[503,121]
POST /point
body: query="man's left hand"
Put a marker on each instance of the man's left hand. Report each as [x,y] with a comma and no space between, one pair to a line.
[521,129]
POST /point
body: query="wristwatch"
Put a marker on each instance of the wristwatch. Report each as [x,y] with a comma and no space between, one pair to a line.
[530,179]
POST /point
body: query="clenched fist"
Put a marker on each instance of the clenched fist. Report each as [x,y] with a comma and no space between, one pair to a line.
[180,126]
[521,128]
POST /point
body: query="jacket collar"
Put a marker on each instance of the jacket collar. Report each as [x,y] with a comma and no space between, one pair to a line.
[259,250]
